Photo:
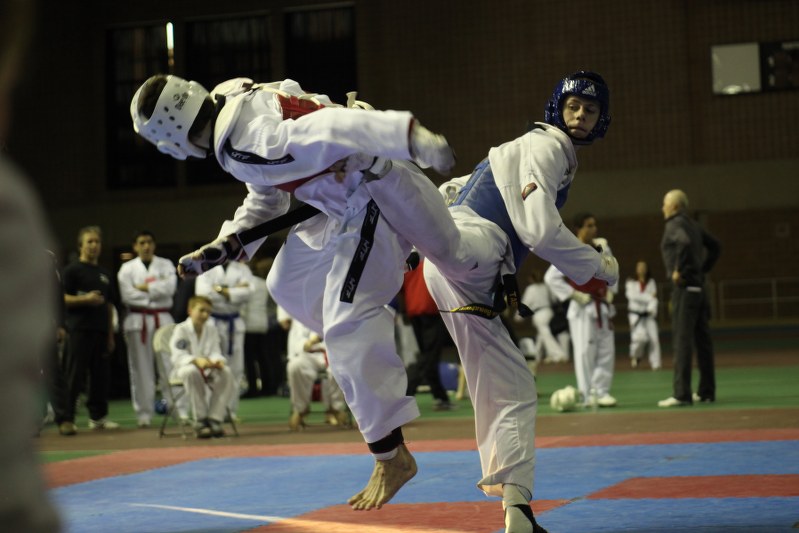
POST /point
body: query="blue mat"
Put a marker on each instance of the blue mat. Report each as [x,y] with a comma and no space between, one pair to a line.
[257,491]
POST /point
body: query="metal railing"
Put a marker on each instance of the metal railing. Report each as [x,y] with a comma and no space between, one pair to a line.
[758,298]
[737,299]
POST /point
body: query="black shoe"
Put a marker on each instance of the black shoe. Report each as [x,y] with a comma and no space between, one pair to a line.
[527,511]
[441,405]
[216,428]
[702,399]
[202,429]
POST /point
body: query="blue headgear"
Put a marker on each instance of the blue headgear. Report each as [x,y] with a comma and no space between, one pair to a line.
[585,84]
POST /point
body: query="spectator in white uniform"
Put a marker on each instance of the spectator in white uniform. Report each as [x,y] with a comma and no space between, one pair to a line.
[146,287]
[197,361]
[590,317]
[256,325]
[307,362]
[229,287]
[539,299]
[642,311]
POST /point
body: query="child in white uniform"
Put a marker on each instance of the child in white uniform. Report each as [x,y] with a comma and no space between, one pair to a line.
[307,359]
[197,361]
[229,287]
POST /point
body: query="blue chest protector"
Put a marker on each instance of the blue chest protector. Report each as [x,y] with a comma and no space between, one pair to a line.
[481,195]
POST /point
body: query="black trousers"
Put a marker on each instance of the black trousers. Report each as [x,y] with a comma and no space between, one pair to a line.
[430,335]
[56,384]
[690,328]
[87,356]
[275,375]
[255,362]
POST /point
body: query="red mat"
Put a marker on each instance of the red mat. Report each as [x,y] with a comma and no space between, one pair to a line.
[765,486]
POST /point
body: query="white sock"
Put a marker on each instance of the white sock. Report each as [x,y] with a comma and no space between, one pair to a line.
[387,455]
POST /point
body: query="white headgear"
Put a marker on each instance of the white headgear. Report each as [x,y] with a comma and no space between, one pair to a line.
[168,128]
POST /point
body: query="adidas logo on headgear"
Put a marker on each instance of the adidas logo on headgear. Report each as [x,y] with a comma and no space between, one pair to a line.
[590,90]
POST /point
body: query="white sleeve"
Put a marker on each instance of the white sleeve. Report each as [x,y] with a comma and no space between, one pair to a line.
[130,295]
[527,296]
[204,285]
[282,314]
[262,203]
[450,189]
[319,139]
[528,172]
[279,151]
[164,287]
[213,349]
[556,281]
[242,294]
[180,346]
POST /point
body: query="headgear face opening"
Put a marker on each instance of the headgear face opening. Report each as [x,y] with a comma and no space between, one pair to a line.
[168,128]
[585,84]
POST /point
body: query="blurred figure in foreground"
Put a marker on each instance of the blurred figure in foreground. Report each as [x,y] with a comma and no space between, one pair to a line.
[26,335]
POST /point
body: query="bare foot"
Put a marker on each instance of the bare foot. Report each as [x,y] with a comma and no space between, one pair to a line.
[387,478]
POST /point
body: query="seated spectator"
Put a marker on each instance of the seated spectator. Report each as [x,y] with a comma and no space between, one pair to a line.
[307,359]
[198,362]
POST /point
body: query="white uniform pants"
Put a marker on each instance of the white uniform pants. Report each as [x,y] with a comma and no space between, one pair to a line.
[594,353]
[359,335]
[235,357]
[302,372]
[141,366]
[221,383]
[501,386]
[644,337]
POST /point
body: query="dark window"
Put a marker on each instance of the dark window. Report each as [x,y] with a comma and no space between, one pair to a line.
[219,50]
[320,50]
[134,54]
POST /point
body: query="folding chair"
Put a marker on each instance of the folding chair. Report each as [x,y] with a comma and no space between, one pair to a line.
[161,350]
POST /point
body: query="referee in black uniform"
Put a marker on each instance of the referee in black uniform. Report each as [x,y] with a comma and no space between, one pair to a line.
[689,252]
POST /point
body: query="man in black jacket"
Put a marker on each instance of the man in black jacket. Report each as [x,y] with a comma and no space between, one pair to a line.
[689,252]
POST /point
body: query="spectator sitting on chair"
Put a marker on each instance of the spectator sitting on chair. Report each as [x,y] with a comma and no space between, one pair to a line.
[307,358]
[197,361]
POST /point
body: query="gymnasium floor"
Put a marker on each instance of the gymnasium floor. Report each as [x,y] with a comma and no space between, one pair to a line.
[728,466]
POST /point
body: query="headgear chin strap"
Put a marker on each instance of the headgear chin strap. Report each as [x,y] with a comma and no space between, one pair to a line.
[175,111]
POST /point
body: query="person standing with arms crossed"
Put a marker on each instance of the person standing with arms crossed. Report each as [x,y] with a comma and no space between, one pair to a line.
[147,285]
[689,252]
[89,294]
